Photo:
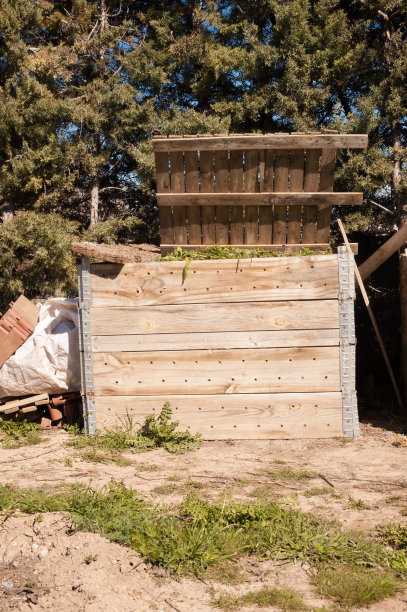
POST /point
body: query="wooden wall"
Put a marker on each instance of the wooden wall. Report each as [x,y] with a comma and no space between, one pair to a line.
[240,348]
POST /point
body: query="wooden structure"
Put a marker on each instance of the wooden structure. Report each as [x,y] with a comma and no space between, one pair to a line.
[257,190]
[254,348]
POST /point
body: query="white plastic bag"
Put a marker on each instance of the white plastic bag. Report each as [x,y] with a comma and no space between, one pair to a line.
[48,362]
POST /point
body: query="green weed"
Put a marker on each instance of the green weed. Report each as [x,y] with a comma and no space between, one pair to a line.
[156,432]
[226,573]
[357,504]
[284,599]
[394,534]
[217,252]
[93,455]
[165,489]
[354,586]
[14,434]
[317,491]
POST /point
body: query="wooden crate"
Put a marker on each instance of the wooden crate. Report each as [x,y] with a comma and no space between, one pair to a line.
[244,349]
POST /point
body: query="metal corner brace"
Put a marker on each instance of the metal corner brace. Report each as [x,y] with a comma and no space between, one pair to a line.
[85,347]
[347,343]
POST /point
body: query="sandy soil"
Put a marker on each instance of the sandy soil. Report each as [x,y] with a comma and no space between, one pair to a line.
[365,485]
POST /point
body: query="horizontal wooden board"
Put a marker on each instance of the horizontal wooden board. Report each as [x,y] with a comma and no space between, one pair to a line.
[224,317]
[225,280]
[292,198]
[271,141]
[215,340]
[306,369]
[217,417]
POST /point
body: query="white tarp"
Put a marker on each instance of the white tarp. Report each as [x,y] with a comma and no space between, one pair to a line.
[48,362]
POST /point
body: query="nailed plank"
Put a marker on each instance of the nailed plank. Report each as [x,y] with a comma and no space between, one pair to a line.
[222,317]
[280,185]
[296,185]
[311,181]
[221,186]
[282,278]
[251,161]
[207,187]
[326,183]
[245,416]
[305,369]
[384,252]
[178,188]
[215,340]
[269,141]
[325,199]
[266,212]
[192,185]
[236,185]
[163,186]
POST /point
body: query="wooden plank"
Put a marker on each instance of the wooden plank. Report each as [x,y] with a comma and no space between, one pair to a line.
[163,186]
[222,317]
[296,185]
[266,212]
[324,199]
[236,185]
[207,187]
[244,416]
[166,249]
[178,187]
[226,280]
[221,186]
[215,340]
[192,185]
[300,370]
[269,141]
[326,183]
[25,401]
[384,252]
[27,310]
[9,343]
[251,214]
[311,182]
[280,185]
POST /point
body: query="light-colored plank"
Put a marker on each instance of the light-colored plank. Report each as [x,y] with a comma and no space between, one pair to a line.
[262,199]
[177,189]
[296,185]
[311,182]
[163,186]
[221,186]
[251,222]
[25,401]
[221,317]
[192,184]
[27,310]
[277,370]
[215,340]
[236,185]
[221,417]
[270,141]
[279,278]
[266,212]
[9,343]
[206,164]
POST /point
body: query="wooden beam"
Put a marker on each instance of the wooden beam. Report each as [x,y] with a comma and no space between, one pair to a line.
[403,304]
[260,199]
[384,252]
[258,141]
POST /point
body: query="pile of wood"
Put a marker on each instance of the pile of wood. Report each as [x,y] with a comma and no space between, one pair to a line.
[50,411]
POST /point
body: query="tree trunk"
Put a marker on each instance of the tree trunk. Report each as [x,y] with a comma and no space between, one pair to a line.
[94,201]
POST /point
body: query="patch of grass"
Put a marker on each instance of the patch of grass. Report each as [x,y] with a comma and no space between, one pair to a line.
[165,489]
[93,455]
[226,573]
[393,499]
[263,492]
[279,462]
[68,462]
[156,432]
[354,586]
[287,473]
[394,534]
[197,534]
[284,599]
[14,434]
[317,491]
[357,504]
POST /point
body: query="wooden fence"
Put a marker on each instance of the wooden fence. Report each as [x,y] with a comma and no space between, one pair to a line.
[259,348]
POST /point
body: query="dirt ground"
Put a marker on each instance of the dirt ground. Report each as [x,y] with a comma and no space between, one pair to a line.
[363,483]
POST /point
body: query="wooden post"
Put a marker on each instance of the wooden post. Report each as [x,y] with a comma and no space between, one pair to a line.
[403,308]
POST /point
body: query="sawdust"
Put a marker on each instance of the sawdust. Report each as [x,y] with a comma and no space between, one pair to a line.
[363,484]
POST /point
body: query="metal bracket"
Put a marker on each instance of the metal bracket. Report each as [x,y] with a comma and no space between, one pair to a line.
[85,347]
[347,342]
